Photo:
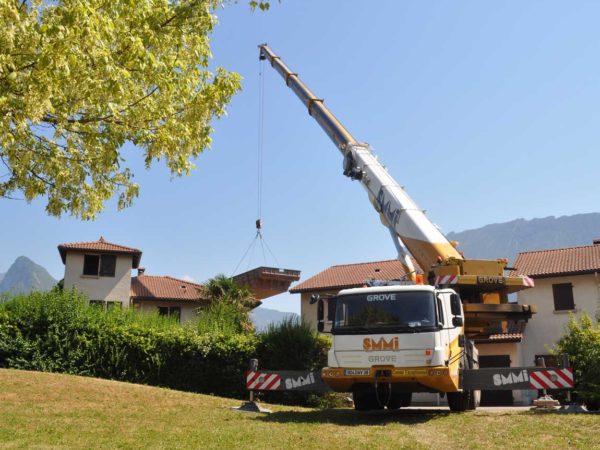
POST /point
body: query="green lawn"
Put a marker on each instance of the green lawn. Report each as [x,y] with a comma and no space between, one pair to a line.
[41,410]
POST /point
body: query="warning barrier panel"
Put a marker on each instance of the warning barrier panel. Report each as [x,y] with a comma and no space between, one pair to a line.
[517,378]
[284,380]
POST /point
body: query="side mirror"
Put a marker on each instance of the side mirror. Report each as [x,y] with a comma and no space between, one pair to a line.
[457,321]
[455,305]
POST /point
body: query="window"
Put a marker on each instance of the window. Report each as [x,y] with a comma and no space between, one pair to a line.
[106,304]
[170,311]
[107,265]
[91,264]
[99,265]
[563,297]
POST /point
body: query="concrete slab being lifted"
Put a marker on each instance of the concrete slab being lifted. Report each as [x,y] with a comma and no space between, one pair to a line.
[266,282]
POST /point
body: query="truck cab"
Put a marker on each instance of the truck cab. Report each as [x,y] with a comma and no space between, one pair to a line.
[390,341]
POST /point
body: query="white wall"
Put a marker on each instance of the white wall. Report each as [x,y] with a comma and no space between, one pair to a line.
[188,309]
[308,312]
[115,288]
[547,326]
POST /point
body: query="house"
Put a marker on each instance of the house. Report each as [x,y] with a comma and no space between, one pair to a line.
[498,347]
[567,281]
[102,270]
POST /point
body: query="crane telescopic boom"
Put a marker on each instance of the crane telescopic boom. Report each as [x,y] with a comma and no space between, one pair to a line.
[398,211]
[482,284]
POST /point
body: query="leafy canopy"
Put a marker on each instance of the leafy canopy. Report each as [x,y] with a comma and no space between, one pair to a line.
[78,79]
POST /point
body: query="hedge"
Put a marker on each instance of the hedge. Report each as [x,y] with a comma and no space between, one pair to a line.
[58,332]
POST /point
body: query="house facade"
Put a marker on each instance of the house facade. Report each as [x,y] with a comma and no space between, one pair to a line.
[567,281]
[103,271]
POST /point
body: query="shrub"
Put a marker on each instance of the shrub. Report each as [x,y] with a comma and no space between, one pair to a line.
[292,345]
[57,332]
[222,317]
[582,343]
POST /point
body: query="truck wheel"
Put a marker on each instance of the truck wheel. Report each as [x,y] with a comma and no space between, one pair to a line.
[400,400]
[459,401]
[365,399]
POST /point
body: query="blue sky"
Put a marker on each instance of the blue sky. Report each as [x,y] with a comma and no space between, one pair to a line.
[484,111]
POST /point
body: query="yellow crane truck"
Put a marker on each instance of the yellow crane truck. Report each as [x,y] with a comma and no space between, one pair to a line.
[394,339]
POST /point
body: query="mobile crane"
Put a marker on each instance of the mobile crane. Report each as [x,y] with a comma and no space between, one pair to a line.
[390,341]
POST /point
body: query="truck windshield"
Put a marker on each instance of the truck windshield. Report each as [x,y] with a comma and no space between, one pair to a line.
[399,312]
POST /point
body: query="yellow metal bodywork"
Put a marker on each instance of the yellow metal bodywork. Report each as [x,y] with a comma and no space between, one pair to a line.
[438,378]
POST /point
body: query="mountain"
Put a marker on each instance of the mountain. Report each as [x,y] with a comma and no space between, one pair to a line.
[1,276]
[262,317]
[25,276]
[506,240]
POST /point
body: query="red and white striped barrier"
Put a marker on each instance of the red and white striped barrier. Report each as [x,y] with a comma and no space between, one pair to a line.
[551,379]
[446,279]
[260,381]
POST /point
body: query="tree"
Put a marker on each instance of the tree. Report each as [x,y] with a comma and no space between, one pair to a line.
[228,302]
[582,343]
[79,79]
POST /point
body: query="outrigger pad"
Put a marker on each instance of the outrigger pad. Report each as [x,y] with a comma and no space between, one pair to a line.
[252,407]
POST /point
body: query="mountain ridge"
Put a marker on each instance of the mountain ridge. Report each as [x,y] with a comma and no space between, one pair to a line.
[508,239]
[25,276]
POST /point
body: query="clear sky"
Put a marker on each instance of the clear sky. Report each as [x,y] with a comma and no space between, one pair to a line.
[484,111]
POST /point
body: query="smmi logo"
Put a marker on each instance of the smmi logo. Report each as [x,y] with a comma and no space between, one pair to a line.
[381,344]
[511,378]
[293,383]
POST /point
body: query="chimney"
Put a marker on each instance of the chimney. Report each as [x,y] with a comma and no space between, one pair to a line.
[141,271]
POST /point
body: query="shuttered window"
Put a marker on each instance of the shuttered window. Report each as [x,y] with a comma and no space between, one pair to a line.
[563,297]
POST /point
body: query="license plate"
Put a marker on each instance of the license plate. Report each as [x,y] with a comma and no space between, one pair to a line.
[357,372]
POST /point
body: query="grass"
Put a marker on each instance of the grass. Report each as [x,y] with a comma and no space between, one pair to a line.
[42,410]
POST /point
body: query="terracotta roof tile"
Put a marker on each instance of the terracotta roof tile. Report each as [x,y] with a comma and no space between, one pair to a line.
[352,275]
[560,261]
[150,287]
[100,246]
[514,333]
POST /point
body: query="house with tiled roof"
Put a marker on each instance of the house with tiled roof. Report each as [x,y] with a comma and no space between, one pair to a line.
[498,347]
[102,270]
[567,281]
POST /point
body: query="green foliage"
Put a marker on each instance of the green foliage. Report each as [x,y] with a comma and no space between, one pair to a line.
[80,79]
[582,343]
[228,301]
[293,345]
[57,332]
[222,317]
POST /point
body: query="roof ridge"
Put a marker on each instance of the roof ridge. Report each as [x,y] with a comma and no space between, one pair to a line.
[182,280]
[100,241]
[548,250]
[364,263]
